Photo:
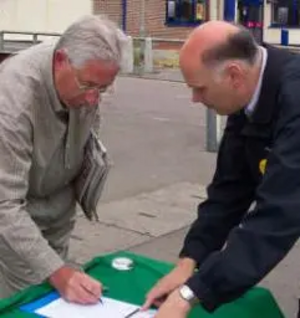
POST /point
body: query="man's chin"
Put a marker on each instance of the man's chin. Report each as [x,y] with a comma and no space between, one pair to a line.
[216,109]
[220,111]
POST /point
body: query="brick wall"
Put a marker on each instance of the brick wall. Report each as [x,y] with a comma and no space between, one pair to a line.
[112,8]
[154,19]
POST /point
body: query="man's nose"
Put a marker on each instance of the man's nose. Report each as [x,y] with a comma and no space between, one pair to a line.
[93,97]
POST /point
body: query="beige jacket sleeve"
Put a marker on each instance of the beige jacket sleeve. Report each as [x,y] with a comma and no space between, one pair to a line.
[18,233]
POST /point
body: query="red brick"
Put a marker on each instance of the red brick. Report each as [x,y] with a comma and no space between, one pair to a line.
[111,8]
[155,16]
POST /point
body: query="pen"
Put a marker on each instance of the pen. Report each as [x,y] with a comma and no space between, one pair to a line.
[104,289]
[132,313]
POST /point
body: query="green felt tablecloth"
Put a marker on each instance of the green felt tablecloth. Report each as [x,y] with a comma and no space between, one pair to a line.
[132,286]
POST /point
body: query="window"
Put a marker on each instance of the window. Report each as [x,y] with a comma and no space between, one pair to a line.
[186,12]
[285,13]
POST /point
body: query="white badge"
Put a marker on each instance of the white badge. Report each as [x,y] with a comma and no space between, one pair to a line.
[122,263]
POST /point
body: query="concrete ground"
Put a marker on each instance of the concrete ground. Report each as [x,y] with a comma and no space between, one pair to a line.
[156,138]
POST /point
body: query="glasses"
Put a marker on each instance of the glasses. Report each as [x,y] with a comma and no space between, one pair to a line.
[88,87]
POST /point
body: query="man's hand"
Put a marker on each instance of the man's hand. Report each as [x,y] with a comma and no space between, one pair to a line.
[174,307]
[75,286]
[178,276]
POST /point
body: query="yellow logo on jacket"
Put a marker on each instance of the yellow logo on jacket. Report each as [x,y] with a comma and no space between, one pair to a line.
[262,166]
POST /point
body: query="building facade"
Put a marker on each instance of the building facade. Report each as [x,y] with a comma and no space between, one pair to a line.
[159,18]
[174,19]
[171,19]
[41,15]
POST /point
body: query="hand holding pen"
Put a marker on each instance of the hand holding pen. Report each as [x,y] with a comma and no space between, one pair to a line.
[75,286]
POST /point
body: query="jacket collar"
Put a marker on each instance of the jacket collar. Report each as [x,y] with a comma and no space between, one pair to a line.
[277,59]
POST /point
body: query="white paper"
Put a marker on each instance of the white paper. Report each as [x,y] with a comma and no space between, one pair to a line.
[110,308]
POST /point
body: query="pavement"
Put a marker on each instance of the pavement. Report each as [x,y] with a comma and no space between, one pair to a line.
[166,74]
[156,138]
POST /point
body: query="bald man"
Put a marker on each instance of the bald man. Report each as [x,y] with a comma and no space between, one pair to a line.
[251,217]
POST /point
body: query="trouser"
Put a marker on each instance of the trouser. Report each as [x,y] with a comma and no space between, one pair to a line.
[15,274]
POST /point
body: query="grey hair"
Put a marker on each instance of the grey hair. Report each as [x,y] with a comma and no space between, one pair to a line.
[92,37]
[240,45]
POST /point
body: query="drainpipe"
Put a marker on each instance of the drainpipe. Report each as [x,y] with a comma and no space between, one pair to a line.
[229,10]
[124,15]
[142,31]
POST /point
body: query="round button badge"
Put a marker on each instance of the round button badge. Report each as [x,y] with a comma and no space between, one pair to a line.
[122,263]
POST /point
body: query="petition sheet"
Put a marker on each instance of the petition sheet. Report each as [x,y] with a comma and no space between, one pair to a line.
[110,308]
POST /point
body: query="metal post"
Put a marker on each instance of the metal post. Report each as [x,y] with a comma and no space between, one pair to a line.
[143,18]
[142,31]
[148,56]
[219,131]
[284,37]
[1,41]
[124,15]
[35,38]
[229,10]
[213,121]
[127,57]
[211,131]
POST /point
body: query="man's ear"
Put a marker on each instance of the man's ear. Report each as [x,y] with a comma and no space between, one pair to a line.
[60,58]
[235,73]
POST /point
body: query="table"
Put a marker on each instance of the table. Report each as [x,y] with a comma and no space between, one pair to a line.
[132,286]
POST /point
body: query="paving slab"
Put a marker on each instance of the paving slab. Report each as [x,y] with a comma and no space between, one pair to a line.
[91,239]
[164,248]
[284,282]
[155,213]
[129,222]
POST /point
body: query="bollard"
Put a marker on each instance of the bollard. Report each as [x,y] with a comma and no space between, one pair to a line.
[127,64]
[148,56]
[1,41]
[284,37]
[212,131]
[35,38]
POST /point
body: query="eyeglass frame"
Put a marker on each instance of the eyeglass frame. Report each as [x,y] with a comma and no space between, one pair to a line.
[87,88]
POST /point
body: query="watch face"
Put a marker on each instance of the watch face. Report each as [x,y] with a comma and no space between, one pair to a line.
[188,295]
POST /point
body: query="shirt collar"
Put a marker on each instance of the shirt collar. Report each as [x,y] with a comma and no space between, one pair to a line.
[252,104]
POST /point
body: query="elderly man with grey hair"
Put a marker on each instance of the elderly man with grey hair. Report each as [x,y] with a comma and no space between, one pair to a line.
[49,96]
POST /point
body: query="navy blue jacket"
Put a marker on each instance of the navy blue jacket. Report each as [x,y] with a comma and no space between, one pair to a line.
[258,161]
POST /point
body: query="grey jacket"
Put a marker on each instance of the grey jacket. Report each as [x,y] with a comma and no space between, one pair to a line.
[41,151]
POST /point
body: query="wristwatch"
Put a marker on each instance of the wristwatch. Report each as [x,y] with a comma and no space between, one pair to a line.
[188,295]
